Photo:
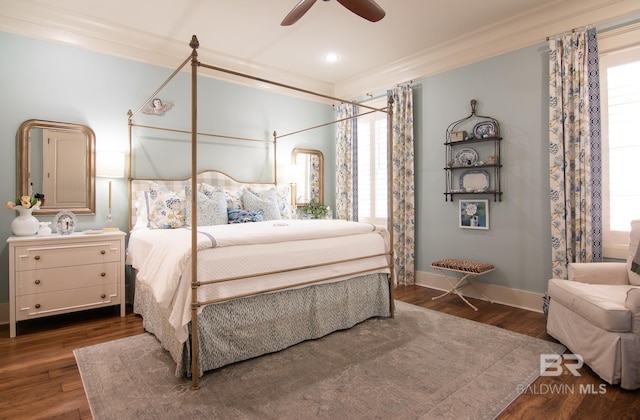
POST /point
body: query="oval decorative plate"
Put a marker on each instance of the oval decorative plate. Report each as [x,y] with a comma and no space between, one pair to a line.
[485,129]
[466,157]
[475,180]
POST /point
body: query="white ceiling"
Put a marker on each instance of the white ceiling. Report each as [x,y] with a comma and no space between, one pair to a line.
[415,39]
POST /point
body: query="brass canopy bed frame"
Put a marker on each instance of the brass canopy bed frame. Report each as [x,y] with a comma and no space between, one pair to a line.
[193,345]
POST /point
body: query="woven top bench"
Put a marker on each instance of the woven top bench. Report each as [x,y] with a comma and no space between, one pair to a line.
[469,269]
[463,265]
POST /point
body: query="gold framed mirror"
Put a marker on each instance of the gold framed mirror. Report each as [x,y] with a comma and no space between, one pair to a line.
[309,176]
[57,159]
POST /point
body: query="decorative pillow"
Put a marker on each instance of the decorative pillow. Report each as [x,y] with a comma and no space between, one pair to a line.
[212,209]
[142,217]
[284,201]
[243,216]
[164,207]
[267,201]
[234,198]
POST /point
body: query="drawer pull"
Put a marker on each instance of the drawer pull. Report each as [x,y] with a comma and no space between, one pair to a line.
[37,306]
[37,282]
[37,257]
[103,296]
[103,274]
[103,252]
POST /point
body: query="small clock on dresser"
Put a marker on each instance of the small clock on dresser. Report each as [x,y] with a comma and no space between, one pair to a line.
[65,222]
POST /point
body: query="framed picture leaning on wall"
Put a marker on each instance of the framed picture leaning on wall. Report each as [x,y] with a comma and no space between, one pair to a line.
[474,214]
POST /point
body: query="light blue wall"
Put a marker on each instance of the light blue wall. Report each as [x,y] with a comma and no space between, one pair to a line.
[513,89]
[41,80]
[49,81]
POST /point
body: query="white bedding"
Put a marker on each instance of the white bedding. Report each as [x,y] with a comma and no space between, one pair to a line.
[163,263]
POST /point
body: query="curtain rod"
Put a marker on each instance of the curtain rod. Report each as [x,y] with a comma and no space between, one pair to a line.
[556,36]
[380,93]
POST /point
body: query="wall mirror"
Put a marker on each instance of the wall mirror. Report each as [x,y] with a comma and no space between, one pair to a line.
[57,159]
[309,176]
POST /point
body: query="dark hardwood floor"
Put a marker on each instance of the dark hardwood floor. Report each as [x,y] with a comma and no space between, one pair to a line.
[39,378]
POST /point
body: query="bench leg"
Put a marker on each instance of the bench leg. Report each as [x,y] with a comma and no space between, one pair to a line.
[455,289]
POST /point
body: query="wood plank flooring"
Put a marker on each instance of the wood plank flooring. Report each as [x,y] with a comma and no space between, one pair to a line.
[39,378]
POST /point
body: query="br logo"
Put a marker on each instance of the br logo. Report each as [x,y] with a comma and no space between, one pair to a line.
[551,364]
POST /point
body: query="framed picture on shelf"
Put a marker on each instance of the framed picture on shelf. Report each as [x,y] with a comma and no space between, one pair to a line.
[474,214]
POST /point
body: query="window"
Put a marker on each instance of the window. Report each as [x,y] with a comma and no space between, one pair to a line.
[372,165]
[620,102]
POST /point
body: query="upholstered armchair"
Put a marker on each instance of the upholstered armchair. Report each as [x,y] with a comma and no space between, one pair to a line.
[596,314]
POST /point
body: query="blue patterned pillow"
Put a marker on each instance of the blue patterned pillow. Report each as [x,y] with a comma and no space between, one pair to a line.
[164,207]
[212,208]
[234,198]
[284,201]
[267,201]
[244,216]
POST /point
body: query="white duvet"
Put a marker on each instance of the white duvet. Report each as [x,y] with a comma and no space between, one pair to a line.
[162,258]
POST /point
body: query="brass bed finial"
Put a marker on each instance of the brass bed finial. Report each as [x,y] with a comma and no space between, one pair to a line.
[194,42]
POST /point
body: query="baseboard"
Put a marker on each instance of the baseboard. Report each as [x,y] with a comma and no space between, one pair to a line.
[4,313]
[498,294]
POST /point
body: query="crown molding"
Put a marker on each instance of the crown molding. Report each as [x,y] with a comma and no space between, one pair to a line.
[517,32]
[26,19]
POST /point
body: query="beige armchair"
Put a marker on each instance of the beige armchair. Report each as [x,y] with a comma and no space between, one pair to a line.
[596,314]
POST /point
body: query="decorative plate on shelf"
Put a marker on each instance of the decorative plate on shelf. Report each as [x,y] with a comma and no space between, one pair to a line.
[465,157]
[485,129]
[475,180]
[65,222]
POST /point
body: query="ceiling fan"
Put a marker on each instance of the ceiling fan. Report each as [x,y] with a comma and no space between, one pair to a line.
[367,9]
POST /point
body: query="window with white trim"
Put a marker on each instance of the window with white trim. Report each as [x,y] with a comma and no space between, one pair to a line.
[620,104]
[372,165]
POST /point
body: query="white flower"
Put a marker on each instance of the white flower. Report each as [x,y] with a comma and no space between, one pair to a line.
[471,209]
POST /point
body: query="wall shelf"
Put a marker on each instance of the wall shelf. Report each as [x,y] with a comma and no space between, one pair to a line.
[470,171]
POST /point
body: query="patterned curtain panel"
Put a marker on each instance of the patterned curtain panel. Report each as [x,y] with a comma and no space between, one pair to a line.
[574,154]
[403,184]
[314,174]
[346,164]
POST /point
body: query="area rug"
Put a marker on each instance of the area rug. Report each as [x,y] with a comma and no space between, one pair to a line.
[420,365]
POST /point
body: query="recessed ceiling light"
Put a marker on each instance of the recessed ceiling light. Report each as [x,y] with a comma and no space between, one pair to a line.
[331,58]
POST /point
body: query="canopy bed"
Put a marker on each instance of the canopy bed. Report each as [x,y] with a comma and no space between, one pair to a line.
[214,291]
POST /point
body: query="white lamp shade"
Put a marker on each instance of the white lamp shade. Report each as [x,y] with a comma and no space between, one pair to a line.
[292,173]
[110,164]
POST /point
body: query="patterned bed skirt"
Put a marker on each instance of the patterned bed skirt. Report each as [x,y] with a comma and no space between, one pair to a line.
[249,327]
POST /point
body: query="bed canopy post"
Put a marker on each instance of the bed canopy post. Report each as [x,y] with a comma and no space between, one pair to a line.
[129,189]
[275,158]
[194,213]
[390,201]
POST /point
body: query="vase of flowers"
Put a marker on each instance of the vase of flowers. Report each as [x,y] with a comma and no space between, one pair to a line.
[25,224]
[314,210]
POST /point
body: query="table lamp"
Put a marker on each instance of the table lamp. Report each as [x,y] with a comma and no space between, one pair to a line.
[110,165]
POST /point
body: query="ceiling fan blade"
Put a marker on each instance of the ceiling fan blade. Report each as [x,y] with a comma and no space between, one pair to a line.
[297,12]
[367,9]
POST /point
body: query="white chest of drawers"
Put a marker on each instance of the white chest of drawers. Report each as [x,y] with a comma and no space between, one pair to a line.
[58,274]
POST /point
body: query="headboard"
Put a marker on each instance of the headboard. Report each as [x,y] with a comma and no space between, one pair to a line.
[211,177]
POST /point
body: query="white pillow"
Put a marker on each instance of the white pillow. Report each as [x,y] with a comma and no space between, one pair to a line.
[267,201]
[142,217]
